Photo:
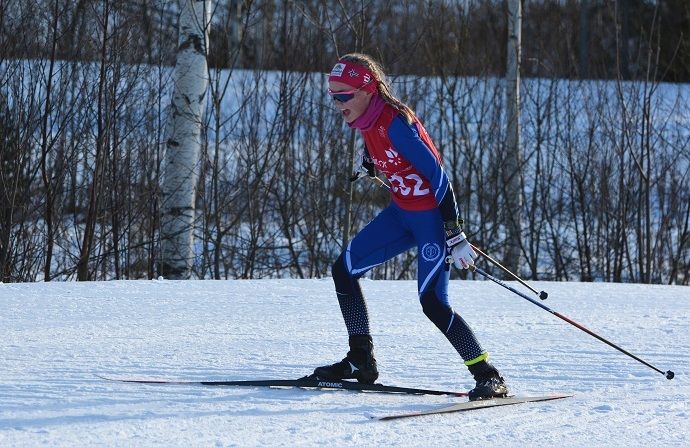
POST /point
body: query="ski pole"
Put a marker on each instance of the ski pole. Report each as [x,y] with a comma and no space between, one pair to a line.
[542,295]
[669,374]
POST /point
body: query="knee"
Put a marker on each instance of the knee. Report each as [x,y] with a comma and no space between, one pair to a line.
[339,269]
[341,275]
[437,311]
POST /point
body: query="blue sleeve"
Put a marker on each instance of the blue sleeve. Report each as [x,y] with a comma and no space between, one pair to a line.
[405,137]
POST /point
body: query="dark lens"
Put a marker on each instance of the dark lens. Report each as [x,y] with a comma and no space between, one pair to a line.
[343,97]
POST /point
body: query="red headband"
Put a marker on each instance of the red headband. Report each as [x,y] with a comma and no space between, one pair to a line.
[354,75]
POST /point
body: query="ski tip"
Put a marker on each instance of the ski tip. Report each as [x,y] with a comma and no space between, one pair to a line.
[475,405]
[553,396]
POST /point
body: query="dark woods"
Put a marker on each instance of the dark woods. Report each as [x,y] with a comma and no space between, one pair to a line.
[85,91]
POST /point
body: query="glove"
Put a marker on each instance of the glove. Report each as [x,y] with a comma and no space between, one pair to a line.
[460,251]
[366,167]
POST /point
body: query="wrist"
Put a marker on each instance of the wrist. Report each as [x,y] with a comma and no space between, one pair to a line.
[453,227]
[452,223]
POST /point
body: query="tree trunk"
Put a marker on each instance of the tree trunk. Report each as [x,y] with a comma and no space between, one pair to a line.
[102,127]
[512,172]
[46,147]
[347,221]
[583,40]
[182,147]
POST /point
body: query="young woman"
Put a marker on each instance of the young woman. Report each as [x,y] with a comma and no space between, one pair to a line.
[423,214]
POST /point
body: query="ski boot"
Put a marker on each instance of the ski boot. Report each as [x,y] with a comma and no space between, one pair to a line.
[359,363]
[489,382]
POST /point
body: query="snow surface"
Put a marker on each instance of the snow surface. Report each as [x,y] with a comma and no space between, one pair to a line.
[57,337]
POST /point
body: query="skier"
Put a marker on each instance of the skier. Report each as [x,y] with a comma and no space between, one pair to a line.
[423,213]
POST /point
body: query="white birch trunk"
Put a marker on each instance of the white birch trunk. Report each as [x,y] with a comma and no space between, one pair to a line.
[181,162]
[513,161]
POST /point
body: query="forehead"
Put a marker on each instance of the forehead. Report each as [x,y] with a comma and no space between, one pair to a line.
[336,86]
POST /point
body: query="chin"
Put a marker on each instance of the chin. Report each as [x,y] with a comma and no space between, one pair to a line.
[350,118]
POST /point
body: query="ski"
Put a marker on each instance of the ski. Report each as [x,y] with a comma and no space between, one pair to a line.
[474,405]
[308,382]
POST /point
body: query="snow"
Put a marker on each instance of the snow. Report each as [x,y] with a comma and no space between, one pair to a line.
[57,337]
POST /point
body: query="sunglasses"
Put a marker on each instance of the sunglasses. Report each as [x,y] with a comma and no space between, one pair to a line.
[343,96]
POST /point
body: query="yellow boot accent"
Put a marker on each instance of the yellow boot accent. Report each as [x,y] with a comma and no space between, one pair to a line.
[476,360]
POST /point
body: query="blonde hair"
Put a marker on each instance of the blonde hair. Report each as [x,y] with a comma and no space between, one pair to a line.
[383,86]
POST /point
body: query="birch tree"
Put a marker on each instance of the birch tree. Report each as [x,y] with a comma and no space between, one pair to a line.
[181,160]
[513,161]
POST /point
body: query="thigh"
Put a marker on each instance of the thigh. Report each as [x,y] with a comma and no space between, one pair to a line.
[380,240]
[432,270]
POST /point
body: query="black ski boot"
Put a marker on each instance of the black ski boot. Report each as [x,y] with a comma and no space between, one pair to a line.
[359,363]
[489,382]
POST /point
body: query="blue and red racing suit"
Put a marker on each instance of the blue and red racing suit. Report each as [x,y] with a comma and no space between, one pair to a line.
[422,200]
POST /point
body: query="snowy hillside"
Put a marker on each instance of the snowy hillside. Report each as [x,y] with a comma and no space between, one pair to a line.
[57,337]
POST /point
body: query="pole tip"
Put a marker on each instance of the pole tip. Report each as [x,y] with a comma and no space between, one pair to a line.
[670,374]
[543,295]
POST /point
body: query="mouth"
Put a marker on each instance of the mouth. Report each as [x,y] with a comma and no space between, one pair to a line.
[346,115]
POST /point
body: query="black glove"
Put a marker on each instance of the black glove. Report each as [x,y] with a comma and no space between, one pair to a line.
[366,166]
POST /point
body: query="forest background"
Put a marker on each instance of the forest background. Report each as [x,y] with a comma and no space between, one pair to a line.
[85,92]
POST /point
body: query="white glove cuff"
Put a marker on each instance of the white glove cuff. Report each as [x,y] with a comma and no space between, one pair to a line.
[455,240]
